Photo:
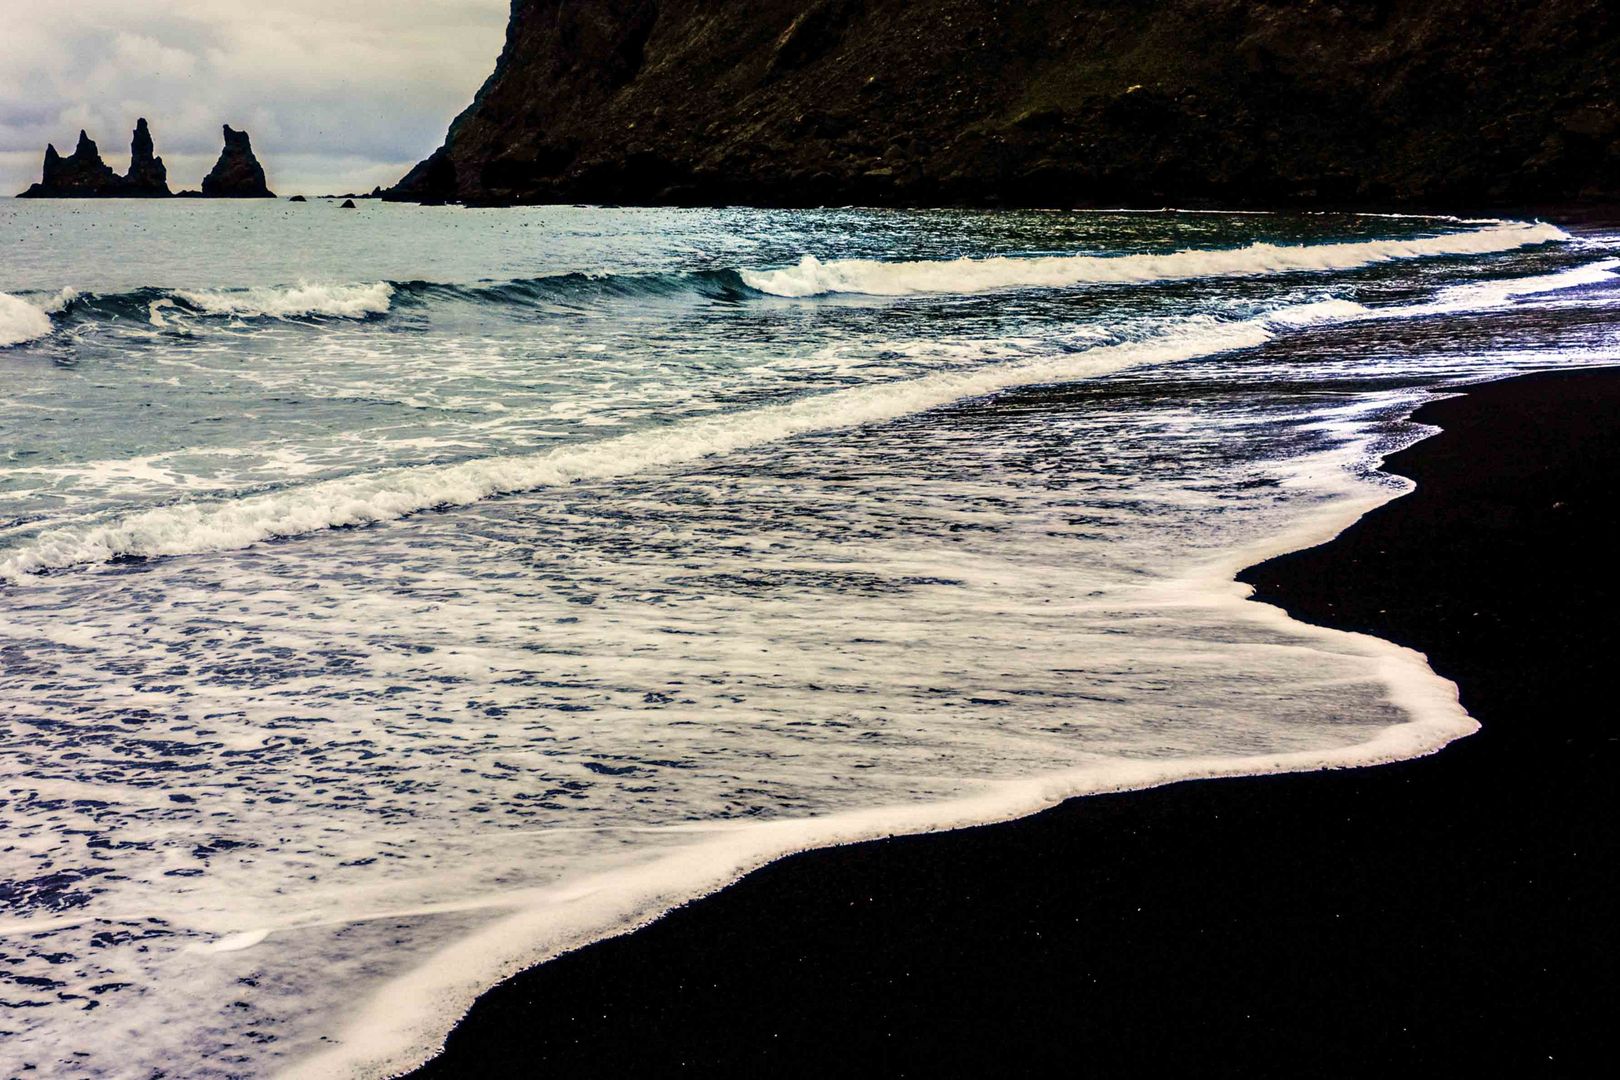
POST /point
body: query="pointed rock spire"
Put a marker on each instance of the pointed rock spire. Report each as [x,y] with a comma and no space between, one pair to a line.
[146,175]
[237,174]
[82,174]
[53,165]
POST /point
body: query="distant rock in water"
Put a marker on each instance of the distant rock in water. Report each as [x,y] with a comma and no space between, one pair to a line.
[81,174]
[147,176]
[348,204]
[237,174]
[297,198]
[1440,103]
[84,175]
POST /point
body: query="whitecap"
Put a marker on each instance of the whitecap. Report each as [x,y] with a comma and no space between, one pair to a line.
[812,277]
[21,321]
[304,299]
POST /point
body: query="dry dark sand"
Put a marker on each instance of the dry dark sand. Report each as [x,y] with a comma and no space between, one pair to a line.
[1448,912]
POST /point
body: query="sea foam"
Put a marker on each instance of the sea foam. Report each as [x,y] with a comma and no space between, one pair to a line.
[192,528]
[335,301]
[812,277]
[21,321]
[389,494]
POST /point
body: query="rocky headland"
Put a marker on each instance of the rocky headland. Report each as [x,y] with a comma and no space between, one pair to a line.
[1398,103]
[83,175]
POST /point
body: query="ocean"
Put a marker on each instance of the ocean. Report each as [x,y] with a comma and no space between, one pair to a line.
[394,598]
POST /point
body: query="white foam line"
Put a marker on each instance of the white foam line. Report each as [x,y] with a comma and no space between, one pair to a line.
[812,277]
[1486,294]
[192,528]
[341,301]
[406,1021]
[195,528]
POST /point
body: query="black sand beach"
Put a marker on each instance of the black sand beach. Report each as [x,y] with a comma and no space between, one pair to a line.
[1451,912]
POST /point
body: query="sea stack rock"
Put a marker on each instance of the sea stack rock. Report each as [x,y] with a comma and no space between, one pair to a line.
[237,174]
[85,176]
[146,176]
[80,175]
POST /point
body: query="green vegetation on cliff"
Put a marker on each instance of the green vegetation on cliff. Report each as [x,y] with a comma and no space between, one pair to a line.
[1042,102]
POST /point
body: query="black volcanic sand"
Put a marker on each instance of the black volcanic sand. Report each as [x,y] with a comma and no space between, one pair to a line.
[1453,911]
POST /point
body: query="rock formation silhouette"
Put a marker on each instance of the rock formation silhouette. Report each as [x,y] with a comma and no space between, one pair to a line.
[237,174]
[146,177]
[83,175]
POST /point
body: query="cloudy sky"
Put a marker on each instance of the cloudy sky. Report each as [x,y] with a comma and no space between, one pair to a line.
[338,95]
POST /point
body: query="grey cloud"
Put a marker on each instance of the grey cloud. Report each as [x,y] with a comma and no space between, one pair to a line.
[336,95]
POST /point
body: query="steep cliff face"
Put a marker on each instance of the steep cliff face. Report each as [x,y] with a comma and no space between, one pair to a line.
[1042,102]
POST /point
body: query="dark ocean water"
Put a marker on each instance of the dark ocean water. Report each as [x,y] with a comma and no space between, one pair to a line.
[391,598]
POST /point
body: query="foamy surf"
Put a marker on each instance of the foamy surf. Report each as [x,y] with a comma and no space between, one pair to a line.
[192,528]
[195,528]
[21,321]
[302,300]
[406,1021]
[416,757]
[812,277]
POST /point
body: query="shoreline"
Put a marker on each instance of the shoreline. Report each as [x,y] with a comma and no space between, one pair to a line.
[835,955]
[391,1031]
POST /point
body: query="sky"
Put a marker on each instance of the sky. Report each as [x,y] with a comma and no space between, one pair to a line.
[337,95]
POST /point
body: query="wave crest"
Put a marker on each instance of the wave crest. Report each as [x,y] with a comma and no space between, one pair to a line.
[21,321]
[193,528]
[301,300]
[812,277]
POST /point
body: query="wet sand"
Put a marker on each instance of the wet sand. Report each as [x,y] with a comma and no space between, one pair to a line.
[1453,911]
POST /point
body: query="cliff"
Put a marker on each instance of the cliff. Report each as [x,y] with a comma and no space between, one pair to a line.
[1444,103]
[83,174]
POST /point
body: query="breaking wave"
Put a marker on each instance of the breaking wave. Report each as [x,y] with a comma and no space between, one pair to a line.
[812,277]
[334,301]
[191,528]
[385,495]
[21,321]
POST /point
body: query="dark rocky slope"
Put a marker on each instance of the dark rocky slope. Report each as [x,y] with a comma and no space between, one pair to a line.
[1042,102]
[83,174]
